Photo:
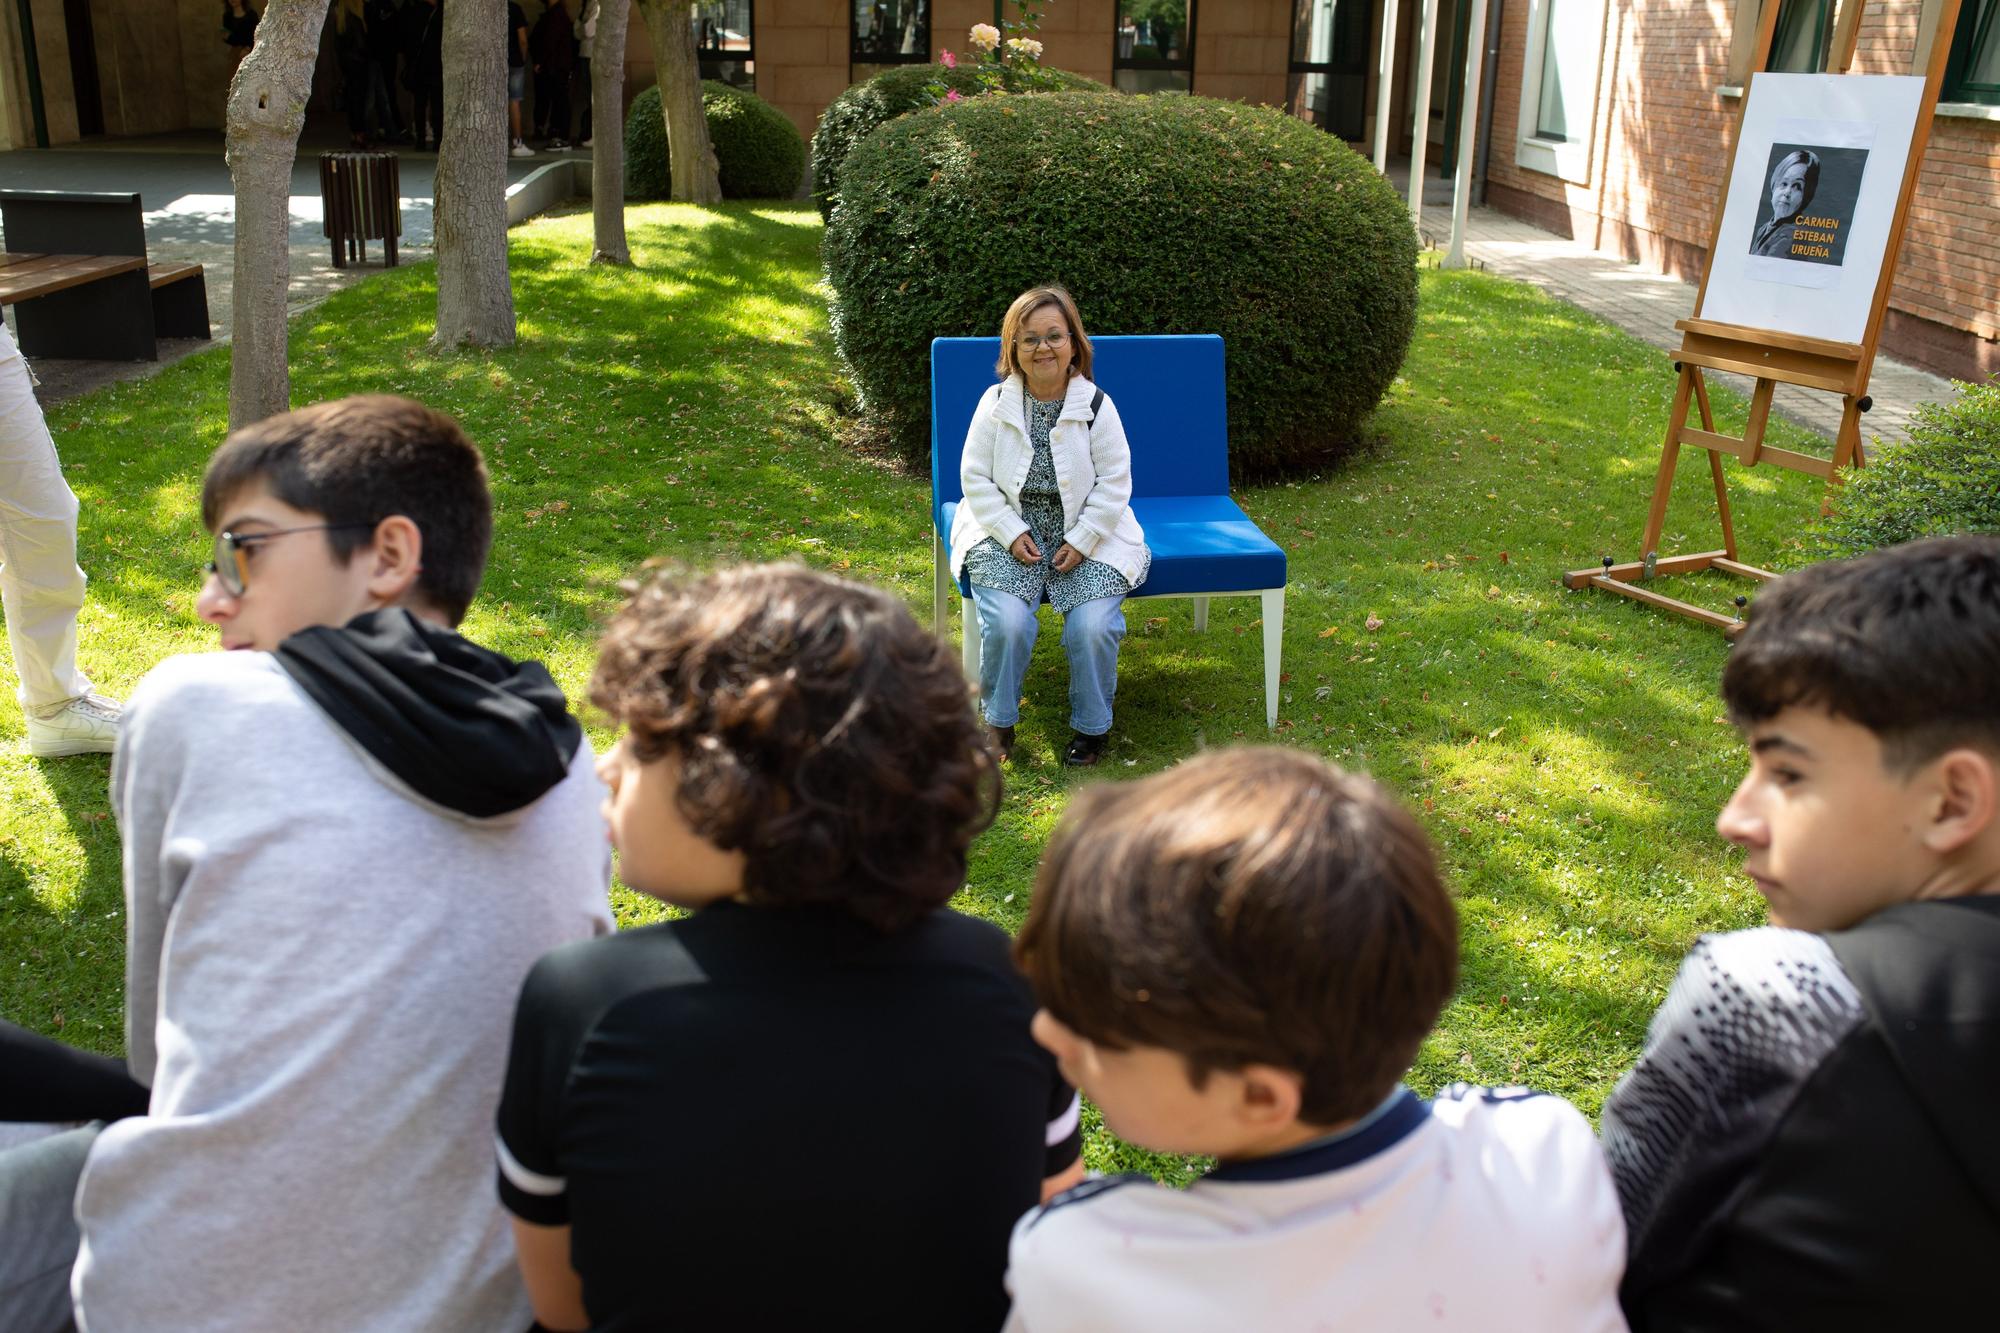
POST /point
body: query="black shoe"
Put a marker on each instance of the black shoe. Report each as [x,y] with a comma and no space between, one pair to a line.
[1084,751]
[1001,741]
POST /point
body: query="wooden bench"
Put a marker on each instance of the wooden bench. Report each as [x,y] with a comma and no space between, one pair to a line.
[77,275]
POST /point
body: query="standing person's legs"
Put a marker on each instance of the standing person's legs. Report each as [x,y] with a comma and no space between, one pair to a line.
[1091,633]
[1007,629]
[559,108]
[38,1235]
[41,587]
[543,83]
[382,93]
[589,93]
[517,88]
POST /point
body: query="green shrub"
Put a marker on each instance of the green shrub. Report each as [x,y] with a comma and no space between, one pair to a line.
[881,99]
[1170,214]
[1944,481]
[758,150]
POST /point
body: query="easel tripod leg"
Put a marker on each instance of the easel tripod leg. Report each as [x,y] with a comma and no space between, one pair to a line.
[1670,453]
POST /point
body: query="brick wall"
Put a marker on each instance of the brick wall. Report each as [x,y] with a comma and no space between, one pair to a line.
[1657,162]
[1242,48]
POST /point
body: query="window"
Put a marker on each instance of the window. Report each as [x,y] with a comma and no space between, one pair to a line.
[1329,82]
[1805,31]
[1153,46]
[1559,87]
[1972,74]
[886,33]
[725,41]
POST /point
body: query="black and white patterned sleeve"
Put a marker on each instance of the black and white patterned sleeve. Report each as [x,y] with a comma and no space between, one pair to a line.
[1751,1015]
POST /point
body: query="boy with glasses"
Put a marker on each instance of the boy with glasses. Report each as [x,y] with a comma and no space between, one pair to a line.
[346,840]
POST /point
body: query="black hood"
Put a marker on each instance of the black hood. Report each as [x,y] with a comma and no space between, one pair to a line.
[464,726]
[1930,975]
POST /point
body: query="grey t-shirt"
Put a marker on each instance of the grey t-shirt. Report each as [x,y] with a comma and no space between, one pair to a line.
[321,976]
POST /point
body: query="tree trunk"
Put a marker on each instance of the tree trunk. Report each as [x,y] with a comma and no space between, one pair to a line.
[607,116]
[267,109]
[475,304]
[694,176]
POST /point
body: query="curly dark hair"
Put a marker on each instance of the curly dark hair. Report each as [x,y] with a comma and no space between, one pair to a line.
[819,731]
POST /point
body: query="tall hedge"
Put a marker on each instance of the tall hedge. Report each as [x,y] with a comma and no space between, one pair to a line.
[1943,481]
[1170,214]
[760,153]
[879,100]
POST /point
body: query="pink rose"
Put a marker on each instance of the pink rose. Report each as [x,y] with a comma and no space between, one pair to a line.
[949,61]
[951,95]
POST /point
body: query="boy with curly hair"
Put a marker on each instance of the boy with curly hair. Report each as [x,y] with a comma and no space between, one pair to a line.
[814,1099]
[1239,957]
[1807,1140]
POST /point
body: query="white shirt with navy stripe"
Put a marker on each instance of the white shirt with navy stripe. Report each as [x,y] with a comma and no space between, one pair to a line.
[1484,1209]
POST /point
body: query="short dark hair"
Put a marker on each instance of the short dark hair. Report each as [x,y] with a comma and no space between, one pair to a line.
[363,459]
[1810,181]
[1904,641]
[1251,906]
[819,730]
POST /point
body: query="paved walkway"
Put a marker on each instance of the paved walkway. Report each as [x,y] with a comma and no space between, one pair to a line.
[185,189]
[190,207]
[1647,304]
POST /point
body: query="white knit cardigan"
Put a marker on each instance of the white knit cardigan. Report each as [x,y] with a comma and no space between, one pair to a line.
[1093,475]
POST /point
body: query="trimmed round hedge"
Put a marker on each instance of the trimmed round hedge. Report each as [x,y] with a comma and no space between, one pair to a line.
[1170,214]
[876,101]
[760,153]
[1942,482]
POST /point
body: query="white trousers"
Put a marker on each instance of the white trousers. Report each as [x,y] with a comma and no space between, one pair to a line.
[41,588]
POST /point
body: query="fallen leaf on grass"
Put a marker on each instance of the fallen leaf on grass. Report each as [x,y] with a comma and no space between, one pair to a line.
[1329,631]
[1374,622]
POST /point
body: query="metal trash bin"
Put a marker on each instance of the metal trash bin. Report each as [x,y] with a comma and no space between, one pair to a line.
[361,201]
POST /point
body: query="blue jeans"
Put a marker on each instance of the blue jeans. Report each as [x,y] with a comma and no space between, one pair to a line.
[1091,632]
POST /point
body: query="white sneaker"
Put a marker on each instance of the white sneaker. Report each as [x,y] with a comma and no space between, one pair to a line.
[585,144]
[84,725]
[522,149]
[557,146]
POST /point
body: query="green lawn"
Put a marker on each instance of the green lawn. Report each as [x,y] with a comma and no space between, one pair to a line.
[1566,750]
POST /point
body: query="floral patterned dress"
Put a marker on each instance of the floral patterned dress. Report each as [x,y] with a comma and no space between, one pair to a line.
[989,565]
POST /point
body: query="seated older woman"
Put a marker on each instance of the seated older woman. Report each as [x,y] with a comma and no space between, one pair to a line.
[1047,476]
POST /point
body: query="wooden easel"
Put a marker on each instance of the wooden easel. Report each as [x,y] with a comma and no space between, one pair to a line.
[1770,358]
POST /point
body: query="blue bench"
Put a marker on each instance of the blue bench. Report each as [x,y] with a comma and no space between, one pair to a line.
[1169,392]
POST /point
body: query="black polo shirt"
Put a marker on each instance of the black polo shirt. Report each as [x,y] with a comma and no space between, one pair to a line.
[779,1117]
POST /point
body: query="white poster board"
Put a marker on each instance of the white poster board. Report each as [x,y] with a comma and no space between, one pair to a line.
[1812,196]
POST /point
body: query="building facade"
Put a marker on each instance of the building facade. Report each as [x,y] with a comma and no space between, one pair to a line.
[1611,119]
[1607,120]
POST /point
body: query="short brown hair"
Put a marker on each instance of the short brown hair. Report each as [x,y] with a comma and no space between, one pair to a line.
[356,461]
[1903,641]
[1026,304]
[819,731]
[1251,906]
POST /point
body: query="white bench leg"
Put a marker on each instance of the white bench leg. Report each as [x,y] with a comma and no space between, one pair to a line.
[1201,615]
[940,580]
[968,624]
[1274,650]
